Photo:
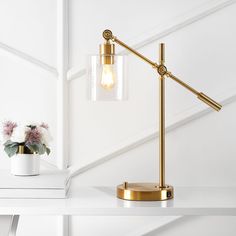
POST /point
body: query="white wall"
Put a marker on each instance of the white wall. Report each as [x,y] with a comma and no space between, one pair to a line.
[199,153]
[201,53]
[104,125]
[27,92]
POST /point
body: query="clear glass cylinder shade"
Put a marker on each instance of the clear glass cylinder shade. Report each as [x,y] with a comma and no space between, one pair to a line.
[107,81]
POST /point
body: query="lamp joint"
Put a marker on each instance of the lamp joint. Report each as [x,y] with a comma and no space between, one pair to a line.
[162,70]
[107,34]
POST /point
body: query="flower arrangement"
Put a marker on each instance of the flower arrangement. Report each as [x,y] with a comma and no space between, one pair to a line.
[34,137]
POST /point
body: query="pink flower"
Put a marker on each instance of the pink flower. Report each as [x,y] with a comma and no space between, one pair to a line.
[33,136]
[8,128]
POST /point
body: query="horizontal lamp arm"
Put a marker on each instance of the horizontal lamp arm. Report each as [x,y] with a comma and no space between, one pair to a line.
[210,102]
[107,34]
[168,74]
[153,64]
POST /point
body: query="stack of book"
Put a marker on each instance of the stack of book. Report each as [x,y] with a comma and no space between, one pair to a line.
[49,184]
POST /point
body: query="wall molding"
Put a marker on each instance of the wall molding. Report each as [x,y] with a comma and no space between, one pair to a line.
[149,228]
[62,99]
[62,83]
[150,134]
[27,58]
[63,225]
[48,165]
[14,225]
[162,30]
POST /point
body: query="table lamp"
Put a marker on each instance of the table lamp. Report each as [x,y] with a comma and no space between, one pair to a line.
[107,83]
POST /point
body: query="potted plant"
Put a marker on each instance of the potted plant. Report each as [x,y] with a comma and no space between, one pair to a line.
[24,144]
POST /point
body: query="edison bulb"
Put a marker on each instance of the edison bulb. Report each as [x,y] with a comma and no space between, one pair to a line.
[108,77]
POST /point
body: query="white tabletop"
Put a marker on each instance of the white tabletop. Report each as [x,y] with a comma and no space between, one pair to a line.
[101,201]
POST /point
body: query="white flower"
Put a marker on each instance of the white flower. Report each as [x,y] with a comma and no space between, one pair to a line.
[19,134]
[46,136]
[31,123]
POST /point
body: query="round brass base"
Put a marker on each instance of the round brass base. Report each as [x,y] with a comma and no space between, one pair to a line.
[144,192]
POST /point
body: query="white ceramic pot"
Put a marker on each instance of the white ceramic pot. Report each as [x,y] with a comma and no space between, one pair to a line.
[25,164]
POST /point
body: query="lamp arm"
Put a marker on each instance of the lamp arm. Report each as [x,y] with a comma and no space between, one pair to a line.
[153,64]
[201,96]
[162,70]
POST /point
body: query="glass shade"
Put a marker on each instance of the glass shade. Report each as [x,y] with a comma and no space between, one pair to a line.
[107,81]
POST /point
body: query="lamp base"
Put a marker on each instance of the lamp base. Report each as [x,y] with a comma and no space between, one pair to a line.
[144,192]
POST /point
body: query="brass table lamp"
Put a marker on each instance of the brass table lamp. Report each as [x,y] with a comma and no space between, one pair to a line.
[106,76]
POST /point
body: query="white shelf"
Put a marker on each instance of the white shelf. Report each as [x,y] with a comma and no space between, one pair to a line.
[101,201]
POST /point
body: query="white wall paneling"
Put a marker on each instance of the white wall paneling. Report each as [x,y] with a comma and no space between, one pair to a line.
[98,123]
[198,225]
[153,226]
[152,134]
[63,225]
[8,225]
[166,28]
[62,86]
[5,224]
[62,99]
[23,31]
[15,221]
[44,27]
[28,59]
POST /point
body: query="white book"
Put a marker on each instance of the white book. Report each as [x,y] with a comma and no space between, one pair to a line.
[49,184]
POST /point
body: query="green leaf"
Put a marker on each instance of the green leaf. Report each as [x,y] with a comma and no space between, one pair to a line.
[48,150]
[42,149]
[11,151]
[38,148]
[8,142]
[32,147]
[13,144]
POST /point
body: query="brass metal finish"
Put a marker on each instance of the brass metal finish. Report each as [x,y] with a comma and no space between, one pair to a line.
[182,83]
[162,131]
[209,101]
[153,64]
[162,70]
[151,191]
[161,120]
[107,52]
[24,150]
[162,53]
[107,34]
[21,149]
[203,97]
[125,185]
[144,192]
